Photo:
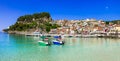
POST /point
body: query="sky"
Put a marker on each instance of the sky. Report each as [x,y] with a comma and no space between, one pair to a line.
[107,10]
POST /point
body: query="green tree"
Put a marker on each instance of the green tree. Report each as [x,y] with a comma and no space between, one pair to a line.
[41,15]
[26,18]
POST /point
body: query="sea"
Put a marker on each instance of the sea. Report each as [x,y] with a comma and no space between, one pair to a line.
[26,48]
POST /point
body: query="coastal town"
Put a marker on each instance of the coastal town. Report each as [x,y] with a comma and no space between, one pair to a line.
[42,23]
[91,27]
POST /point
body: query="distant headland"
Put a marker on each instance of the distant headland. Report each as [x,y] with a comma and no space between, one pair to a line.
[41,22]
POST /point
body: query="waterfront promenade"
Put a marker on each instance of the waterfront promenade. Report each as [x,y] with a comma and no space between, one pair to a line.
[77,35]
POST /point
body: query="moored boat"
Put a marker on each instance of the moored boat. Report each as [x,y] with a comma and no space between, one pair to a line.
[58,42]
[42,43]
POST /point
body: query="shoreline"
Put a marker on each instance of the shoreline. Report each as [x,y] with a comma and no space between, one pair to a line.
[30,33]
[66,35]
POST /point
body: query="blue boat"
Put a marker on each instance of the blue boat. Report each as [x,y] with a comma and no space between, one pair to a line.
[58,42]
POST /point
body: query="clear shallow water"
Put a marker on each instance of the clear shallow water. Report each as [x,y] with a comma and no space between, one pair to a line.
[24,48]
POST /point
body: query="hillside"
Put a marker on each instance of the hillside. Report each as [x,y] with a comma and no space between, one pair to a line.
[38,21]
[116,21]
[113,21]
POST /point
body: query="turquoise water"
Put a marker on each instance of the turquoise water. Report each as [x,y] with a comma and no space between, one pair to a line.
[26,48]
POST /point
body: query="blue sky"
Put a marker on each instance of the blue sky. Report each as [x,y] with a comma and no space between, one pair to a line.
[10,10]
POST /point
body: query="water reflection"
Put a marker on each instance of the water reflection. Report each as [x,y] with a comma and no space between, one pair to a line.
[93,42]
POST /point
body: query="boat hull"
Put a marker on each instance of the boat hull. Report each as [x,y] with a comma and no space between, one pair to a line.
[58,42]
[42,43]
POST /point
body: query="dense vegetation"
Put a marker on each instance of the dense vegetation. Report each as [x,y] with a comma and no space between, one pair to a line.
[114,22]
[41,21]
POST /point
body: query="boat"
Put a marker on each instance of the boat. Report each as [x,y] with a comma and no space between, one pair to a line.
[58,40]
[42,43]
[55,42]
